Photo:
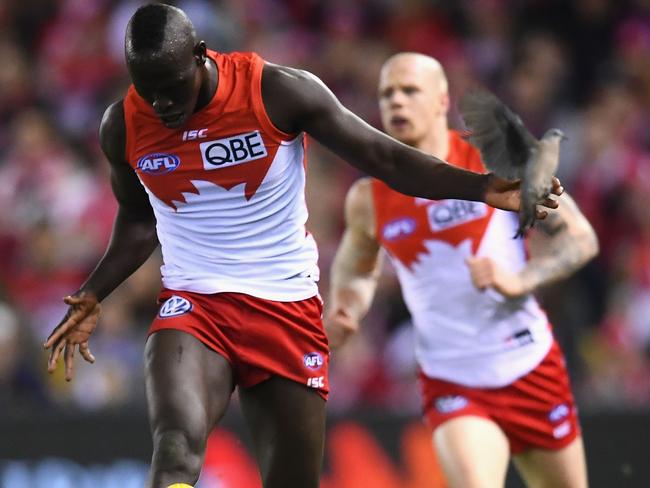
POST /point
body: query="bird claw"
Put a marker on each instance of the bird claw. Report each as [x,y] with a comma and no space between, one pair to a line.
[525,223]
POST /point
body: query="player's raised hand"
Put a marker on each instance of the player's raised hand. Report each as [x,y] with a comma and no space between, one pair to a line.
[73,330]
[339,326]
[506,195]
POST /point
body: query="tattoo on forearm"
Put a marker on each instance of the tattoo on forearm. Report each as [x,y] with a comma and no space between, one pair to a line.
[565,251]
[552,225]
[565,255]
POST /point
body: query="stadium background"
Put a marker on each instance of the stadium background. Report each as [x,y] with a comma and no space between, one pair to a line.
[582,65]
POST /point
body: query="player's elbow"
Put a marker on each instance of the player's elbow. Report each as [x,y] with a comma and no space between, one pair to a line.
[592,245]
[386,167]
[588,242]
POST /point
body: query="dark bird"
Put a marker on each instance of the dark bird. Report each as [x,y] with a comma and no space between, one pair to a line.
[510,151]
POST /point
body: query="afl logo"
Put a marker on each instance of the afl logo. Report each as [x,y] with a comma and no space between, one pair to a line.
[175,306]
[313,360]
[399,228]
[560,412]
[450,403]
[158,163]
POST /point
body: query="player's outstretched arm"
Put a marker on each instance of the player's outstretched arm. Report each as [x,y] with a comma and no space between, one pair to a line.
[298,101]
[355,269]
[132,242]
[562,244]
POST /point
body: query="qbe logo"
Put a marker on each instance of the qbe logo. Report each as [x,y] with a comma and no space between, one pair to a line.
[313,360]
[231,151]
[175,306]
[450,213]
[158,163]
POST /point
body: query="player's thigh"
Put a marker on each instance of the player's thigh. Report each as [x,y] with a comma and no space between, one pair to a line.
[287,423]
[188,385]
[473,452]
[562,468]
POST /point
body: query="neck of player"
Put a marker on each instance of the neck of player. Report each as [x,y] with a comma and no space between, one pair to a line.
[436,141]
[210,80]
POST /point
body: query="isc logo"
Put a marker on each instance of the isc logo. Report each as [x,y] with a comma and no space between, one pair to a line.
[158,163]
[316,382]
[313,360]
[175,306]
[230,151]
[190,135]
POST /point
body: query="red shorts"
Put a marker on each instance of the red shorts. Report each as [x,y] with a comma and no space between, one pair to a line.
[536,411]
[258,337]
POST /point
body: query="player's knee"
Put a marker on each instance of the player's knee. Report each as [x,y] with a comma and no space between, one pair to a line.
[174,451]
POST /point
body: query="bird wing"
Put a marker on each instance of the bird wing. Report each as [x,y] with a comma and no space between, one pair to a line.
[499,134]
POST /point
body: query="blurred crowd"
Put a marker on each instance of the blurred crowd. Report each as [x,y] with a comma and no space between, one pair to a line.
[582,66]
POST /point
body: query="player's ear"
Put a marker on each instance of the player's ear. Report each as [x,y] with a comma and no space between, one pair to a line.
[444,102]
[200,53]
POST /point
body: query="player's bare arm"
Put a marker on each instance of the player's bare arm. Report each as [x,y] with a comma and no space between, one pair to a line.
[132,242]
[298,101]
[356,266]
[563,243]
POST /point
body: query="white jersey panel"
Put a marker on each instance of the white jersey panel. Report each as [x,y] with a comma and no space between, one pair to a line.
[474,338]
[217,241]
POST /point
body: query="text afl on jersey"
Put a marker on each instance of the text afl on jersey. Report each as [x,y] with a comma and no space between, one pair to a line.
[450,213]
[230,151]
[158,163]
[398,228]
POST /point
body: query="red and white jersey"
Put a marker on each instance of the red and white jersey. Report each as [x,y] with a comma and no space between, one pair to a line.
[227,190]
[463,335]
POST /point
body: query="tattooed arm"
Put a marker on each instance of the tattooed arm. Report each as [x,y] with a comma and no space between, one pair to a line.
[569,243]
[563,243]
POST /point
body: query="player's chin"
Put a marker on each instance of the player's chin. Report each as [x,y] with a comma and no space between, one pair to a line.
[176,122]
[404,136]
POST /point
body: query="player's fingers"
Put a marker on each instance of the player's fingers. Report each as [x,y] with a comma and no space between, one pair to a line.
[475,263]
[74,299]
[84,350]
[58,333]
[343,336]
[541,214]
[550,203]
[69,361]
[334,337]
[55,336]
[480,286]
[66,324]
[557,188]
[483,277]
[54,356]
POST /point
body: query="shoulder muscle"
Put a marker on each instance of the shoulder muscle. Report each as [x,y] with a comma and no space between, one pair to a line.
[112,133]
[359,207]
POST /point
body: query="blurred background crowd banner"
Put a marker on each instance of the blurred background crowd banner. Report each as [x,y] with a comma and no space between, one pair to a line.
[580,65]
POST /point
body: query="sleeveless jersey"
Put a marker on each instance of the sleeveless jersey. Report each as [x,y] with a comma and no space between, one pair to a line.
[227,190]
[463,335]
